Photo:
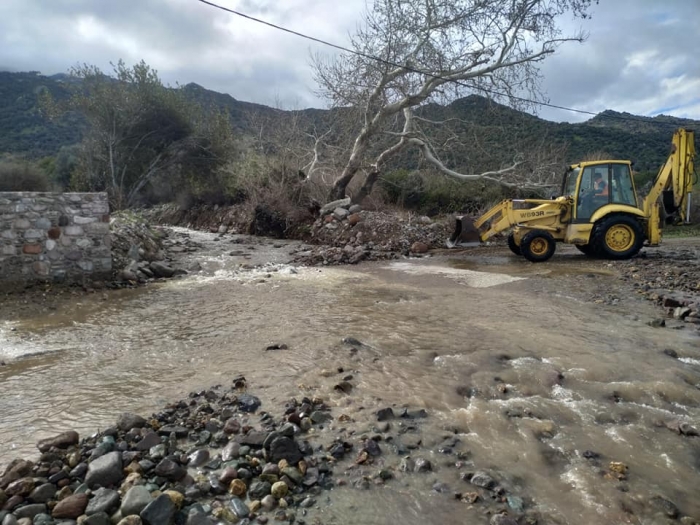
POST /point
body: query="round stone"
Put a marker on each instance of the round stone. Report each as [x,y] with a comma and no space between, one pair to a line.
[279,489]
[238,487]
[268,502]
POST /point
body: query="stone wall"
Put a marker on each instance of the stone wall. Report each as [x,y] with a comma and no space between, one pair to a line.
[54,236]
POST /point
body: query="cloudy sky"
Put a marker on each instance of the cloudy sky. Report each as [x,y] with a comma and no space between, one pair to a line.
[641,55]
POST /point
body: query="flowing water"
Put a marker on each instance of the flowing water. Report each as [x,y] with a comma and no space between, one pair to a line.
[503,352]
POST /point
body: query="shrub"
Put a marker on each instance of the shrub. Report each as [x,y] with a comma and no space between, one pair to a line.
[433,193]
[22,176]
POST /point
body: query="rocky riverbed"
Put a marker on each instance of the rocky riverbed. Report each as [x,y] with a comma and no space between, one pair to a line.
[219,457]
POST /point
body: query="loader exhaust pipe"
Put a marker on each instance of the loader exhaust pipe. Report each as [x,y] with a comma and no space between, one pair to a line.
[464,234]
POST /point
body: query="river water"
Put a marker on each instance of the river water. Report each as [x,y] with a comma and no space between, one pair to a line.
[506,353]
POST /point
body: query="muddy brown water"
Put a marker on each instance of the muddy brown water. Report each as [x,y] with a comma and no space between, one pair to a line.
[442,334]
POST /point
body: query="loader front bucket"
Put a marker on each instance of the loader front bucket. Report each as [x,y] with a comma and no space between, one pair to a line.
[465,233]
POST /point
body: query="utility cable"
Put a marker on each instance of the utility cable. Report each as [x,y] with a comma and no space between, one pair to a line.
[646,120]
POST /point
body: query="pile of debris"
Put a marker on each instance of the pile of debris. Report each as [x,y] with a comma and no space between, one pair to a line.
[345,233]
[139,251]
[670,278]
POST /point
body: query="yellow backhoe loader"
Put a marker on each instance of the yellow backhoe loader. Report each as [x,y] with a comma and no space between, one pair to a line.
[598,211]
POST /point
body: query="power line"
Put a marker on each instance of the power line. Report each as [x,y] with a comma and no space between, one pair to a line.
[413,70]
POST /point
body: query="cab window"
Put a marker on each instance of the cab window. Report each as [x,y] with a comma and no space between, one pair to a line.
[569,189]
[594,190]
[621,185]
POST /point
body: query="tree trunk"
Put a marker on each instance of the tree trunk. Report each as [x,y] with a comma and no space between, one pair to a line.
[367,186]
[352,167]
[340,185]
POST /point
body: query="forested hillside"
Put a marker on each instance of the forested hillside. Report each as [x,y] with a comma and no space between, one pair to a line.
[23,129]
[487,132]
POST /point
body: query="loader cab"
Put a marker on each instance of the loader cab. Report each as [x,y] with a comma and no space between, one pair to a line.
[593,185]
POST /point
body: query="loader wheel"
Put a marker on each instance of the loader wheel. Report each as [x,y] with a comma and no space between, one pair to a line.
[617,237]
[513,247]
[537,246]
[586,248]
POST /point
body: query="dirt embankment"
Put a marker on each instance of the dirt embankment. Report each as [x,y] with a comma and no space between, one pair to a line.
[346,234]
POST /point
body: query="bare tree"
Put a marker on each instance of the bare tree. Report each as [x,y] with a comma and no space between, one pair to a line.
[538,160]
[409,53]
[308,144]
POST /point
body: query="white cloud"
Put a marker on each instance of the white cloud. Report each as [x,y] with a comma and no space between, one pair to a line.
[640,56]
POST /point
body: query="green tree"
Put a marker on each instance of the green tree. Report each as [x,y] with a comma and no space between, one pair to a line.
[138,130]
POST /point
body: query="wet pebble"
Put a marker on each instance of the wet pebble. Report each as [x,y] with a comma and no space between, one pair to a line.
[422,465]
[502,519]
[666,506]
[483,480]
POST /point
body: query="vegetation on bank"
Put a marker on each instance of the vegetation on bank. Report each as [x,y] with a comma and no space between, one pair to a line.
[683,230]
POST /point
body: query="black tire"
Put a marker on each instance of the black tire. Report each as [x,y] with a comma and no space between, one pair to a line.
[537,246]
[586,249]
[513,247]
[617,237]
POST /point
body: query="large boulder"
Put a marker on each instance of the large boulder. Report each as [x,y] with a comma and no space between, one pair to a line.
[161,269]
[71,507]
[103,500]
[62,440]
[160,511]
[285,448]
[22,487]
[170,470]
[127,421]
[43,493]
[135,500]
[105,471]
[267,222]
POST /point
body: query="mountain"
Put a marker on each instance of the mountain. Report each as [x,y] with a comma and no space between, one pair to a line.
[23,130]
[644,140]
[488,131]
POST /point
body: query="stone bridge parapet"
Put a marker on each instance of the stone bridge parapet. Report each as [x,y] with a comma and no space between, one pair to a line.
[54,236]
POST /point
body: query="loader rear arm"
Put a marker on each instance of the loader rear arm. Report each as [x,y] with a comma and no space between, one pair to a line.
[675,178]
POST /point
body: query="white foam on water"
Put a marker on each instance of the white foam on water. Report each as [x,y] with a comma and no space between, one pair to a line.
[447,360]
[680,406]
[563,394]
[471,278]
[11,347]
[689,361]
[574,477]
[668,461]
[657,410]
[613,434]
[523,362]
[245,275]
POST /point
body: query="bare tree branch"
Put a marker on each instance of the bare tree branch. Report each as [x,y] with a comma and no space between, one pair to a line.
[436,49]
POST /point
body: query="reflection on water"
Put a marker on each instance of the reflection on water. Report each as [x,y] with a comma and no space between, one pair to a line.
[528,380]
